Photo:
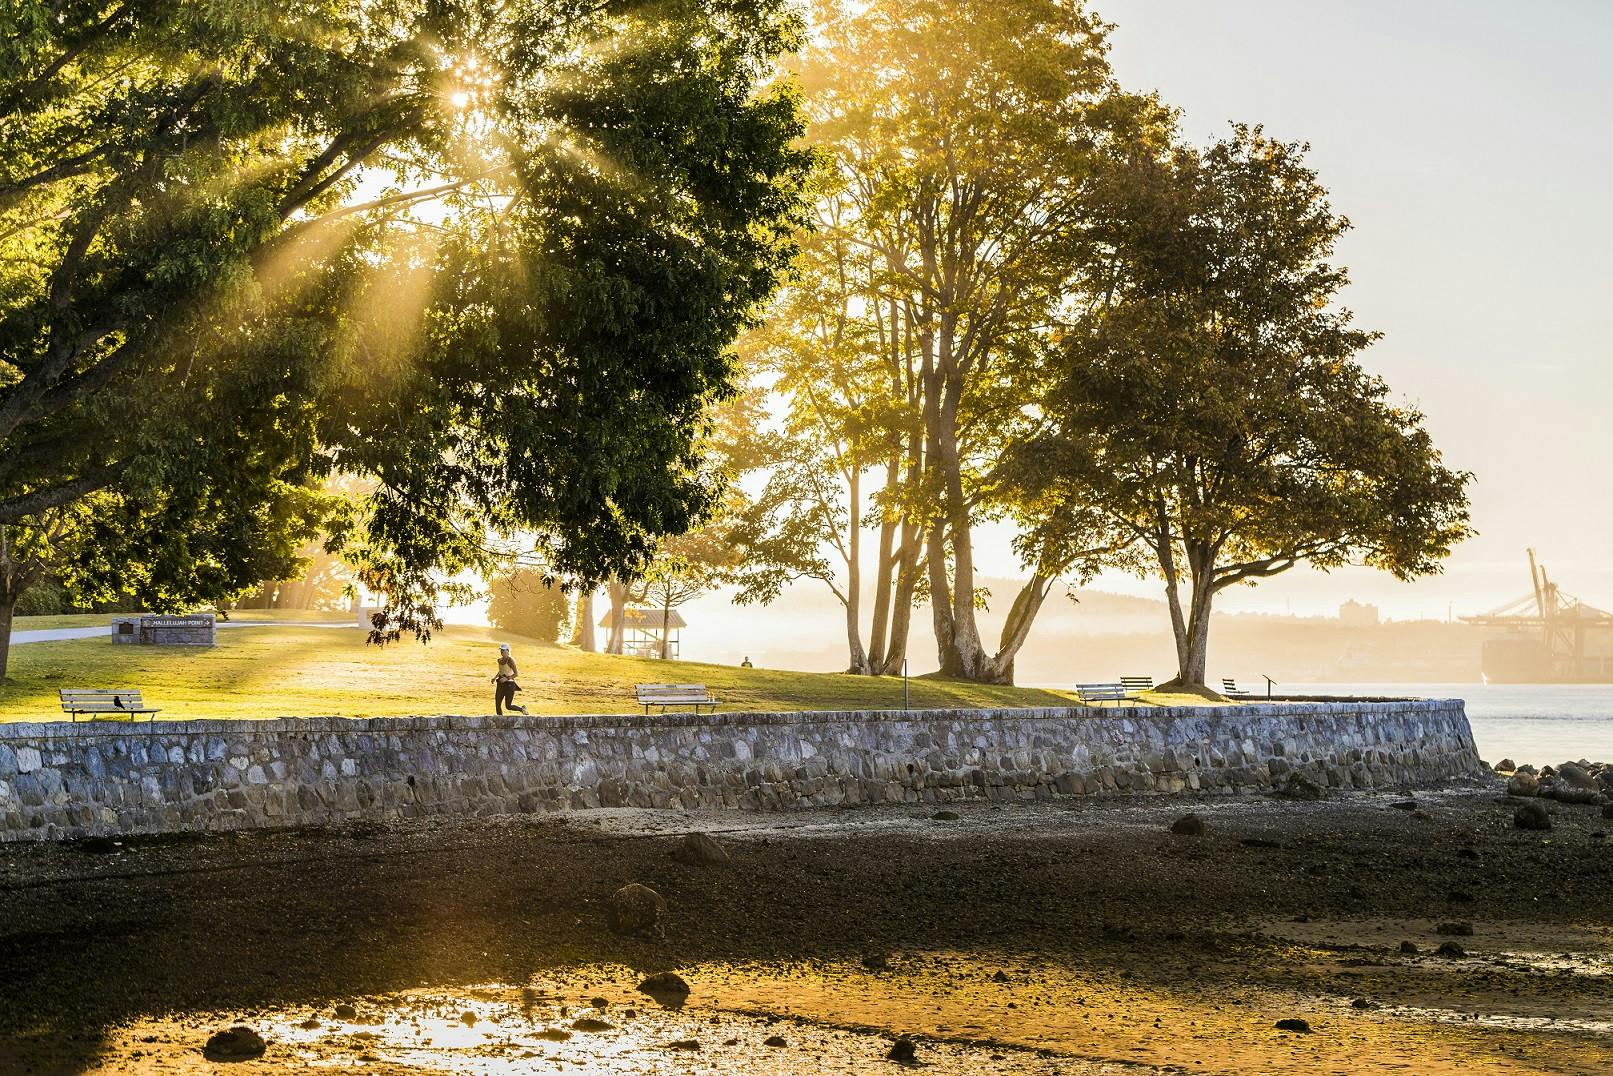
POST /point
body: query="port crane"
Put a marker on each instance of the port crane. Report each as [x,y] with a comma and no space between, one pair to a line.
[1552,626]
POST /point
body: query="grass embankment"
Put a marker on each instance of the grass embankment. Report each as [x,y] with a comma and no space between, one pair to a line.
[317,672]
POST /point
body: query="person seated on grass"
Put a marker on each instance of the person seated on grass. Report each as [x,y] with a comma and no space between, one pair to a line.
[504,685]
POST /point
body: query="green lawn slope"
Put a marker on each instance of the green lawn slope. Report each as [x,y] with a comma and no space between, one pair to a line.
[305,671]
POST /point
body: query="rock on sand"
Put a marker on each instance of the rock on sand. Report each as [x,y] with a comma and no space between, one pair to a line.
[1189,825]
[637,909]
[700,850]
[1532,815]
[235,1044]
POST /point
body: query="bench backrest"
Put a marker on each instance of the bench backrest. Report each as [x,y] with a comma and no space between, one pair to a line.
[100,700]
[1137,683]
[659,693]
[1102,692]
[1229,686]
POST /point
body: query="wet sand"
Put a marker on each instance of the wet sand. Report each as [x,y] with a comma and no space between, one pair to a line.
[1078,937]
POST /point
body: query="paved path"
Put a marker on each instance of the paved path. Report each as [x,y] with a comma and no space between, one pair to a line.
[56,635]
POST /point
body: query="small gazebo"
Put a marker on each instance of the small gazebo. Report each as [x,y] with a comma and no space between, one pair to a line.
[641,631]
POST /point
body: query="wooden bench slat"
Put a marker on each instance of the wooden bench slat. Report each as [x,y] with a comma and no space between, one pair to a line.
[666,695]
[103,700]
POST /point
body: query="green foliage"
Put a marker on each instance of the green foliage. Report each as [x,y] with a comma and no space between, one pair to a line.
[488,257]
[963,139]
[525,603]
[1211,414]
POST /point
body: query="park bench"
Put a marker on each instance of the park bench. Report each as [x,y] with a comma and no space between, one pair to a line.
[1229,688]
[99,701]
[1104,693]
[668,695]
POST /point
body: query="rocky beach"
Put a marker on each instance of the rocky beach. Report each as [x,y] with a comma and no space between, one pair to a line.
[1361,932]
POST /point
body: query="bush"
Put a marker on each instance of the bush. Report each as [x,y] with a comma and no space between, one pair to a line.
[523,604]
[45,598]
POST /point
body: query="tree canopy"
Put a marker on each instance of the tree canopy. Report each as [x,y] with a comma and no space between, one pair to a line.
[963,138]
[487,255]
[1211,414]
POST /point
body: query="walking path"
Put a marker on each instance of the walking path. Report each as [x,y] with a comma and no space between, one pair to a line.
[56,635]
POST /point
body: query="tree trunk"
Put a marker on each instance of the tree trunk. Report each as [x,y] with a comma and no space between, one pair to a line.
[910,561]
[666,624]
[1017,628]
[1192,667]
[8,606]
[1192,630]
[940,602]
[618,616]
[880,627]
[909,558]
[585,622]
[858,665]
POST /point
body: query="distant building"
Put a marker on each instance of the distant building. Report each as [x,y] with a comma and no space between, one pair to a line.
[1354,614]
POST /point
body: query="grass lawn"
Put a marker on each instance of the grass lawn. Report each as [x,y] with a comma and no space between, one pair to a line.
[319,672]
[312,672]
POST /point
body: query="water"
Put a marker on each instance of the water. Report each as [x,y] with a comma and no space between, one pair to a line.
[1538,723]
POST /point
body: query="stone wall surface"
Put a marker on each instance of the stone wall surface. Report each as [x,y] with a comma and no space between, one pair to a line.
[62,780]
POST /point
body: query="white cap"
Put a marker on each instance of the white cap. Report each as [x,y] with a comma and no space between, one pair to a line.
[503,646]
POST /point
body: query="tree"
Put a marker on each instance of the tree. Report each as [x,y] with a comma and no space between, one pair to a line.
[523,601]
[850,449]
[1212,412]
[967,136]
[489,256]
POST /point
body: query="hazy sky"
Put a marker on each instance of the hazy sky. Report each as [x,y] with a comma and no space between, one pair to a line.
[1469,142]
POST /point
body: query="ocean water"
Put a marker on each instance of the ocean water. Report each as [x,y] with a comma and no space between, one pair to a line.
[1536,723]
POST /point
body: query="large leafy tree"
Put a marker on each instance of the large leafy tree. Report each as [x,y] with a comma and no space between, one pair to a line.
[967,135]
[850,448]
[487,255]
[1211,414]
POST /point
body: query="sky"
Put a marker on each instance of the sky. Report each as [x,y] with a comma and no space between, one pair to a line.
[1469,144]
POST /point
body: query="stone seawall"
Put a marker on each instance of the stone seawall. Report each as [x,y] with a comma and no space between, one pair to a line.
[63,780]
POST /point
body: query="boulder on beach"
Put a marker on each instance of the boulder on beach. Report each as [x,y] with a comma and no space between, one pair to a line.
[1298,786]
[666,987]
[1303,1027]
[1583,796]
[234,1044]
[700,850]
[1506,765]
[1523,784]
[637,909]
[1532,816]
[1571,775]
[1189,825]
[903,1050]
